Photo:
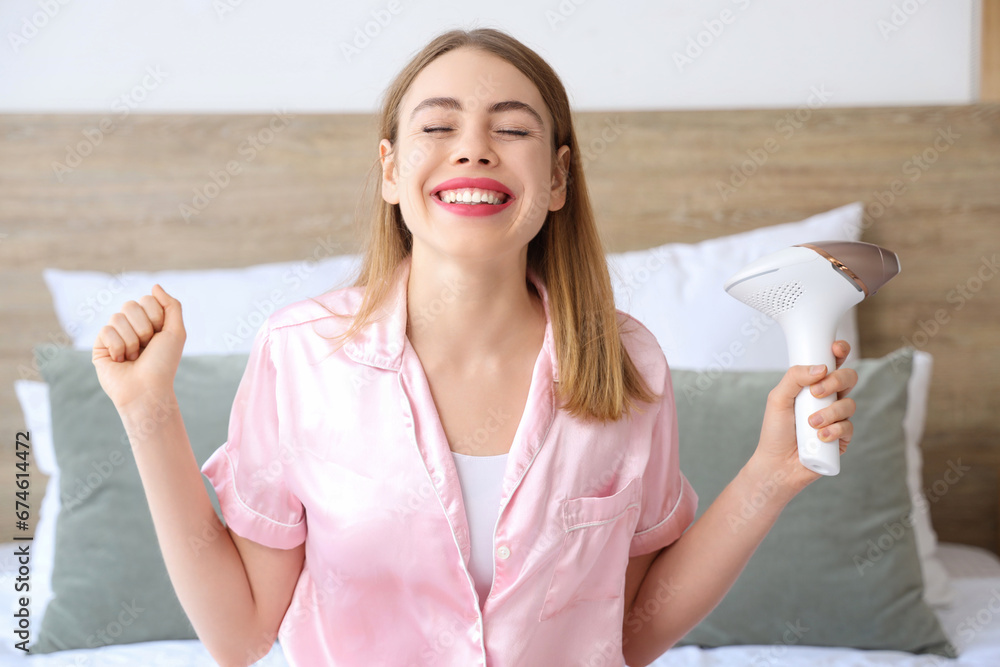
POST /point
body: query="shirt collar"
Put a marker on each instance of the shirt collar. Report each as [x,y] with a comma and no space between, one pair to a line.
[381,343]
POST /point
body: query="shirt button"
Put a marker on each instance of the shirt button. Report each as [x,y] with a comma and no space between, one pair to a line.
[503,552]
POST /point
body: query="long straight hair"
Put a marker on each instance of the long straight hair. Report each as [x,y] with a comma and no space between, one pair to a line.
[597,378]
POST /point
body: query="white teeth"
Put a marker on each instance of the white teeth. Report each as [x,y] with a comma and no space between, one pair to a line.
[471,196]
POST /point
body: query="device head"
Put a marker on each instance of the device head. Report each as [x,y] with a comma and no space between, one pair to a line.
[866,264]
[831,275]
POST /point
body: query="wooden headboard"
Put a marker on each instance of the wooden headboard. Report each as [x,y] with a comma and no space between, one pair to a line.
[107,193]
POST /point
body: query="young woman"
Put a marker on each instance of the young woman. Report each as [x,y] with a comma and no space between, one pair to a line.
[469,457]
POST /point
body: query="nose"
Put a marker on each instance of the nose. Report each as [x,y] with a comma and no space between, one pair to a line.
[474,146]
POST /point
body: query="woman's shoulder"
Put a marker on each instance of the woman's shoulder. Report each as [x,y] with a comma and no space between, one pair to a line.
[338,304]
[642,347]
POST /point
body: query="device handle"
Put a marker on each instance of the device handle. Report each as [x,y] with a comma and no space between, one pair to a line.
[820,457]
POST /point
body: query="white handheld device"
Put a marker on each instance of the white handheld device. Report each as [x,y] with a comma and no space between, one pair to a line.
[807,289]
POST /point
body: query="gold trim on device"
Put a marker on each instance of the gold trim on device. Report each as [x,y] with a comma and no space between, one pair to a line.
[838,264]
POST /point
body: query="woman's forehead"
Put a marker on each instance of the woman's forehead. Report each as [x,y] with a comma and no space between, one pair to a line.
[472,80]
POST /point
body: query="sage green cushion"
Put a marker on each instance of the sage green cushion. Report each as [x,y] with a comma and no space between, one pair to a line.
[109,581]
[841,560]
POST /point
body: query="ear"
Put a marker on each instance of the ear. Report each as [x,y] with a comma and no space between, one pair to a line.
[560,179]
[390,187]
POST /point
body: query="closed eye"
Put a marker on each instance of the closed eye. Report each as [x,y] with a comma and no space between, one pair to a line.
[520,133]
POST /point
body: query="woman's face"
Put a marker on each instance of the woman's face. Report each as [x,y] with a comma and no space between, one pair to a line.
[471,115]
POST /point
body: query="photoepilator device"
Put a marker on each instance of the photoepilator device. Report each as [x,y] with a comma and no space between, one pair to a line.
[807,289]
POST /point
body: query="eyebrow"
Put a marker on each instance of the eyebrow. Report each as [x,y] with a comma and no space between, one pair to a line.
[498,107]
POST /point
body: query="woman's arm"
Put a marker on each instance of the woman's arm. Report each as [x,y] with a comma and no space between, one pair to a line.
[234,592]
[691,576]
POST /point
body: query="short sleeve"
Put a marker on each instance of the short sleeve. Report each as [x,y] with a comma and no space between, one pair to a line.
[247,471]
[668,503]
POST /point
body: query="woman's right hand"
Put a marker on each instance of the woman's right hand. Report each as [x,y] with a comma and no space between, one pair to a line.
[137,353]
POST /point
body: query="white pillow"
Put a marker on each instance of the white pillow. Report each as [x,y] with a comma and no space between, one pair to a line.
[937,582]
[676,291]
[223,308]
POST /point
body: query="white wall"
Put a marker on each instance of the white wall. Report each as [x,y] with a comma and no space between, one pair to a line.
[258,56]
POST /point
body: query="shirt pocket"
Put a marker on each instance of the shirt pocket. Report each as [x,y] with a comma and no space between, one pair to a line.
[593,555]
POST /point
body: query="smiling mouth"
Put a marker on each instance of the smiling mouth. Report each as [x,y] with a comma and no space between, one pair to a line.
[472,197]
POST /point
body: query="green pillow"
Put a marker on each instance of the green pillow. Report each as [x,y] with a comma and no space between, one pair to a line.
[840,566]
[109,581]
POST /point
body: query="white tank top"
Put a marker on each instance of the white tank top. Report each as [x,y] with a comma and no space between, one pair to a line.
[481,478]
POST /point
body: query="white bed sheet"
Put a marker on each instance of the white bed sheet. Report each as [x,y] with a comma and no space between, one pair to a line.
[971,623]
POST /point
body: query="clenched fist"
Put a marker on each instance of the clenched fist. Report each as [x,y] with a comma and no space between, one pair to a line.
[137,353]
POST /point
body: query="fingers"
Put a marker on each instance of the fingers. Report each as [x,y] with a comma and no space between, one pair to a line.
[140,321]
[129,330]
[154,311]
[110,340]
[839,382]
[841,349]
[832,421]
[794,380]
[172,319]
[120,338]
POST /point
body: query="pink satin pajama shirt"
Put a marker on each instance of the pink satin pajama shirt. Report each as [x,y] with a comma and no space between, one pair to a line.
[346,452]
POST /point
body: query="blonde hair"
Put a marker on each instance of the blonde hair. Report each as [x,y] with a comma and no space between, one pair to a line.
[597,378]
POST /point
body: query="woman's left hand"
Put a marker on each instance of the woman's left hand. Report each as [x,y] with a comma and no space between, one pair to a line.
[777,455]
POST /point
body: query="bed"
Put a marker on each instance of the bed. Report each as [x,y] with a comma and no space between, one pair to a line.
[96,206]
[975,574]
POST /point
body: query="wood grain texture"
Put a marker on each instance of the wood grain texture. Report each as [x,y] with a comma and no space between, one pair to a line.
[655,177]
[989,71]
